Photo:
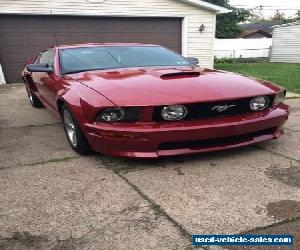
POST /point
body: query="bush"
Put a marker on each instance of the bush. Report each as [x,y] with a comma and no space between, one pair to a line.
[228,60]
[225,60]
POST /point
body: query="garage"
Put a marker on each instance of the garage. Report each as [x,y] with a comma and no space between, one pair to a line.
[23,36]
[28,27]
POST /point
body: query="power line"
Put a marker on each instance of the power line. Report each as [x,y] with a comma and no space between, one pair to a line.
[262,7]
[274,6]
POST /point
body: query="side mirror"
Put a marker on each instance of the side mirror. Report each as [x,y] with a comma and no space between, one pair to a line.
[193,60]
[39,68]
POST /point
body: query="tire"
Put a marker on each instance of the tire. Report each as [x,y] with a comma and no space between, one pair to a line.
[34,101]
[74,134]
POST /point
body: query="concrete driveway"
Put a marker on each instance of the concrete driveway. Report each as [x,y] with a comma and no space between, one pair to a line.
[53,198]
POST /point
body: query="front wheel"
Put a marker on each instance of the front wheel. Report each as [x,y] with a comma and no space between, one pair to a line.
[74,134]
[34,101]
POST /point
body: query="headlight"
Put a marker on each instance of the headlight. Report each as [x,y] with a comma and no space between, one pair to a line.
[259,103]
[119,114]
[111,115]
[279,98]
[174,112]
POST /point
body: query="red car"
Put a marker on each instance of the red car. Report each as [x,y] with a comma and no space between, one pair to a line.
[138,100]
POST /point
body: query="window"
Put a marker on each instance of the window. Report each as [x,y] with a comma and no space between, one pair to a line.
[97,58]
[46,57]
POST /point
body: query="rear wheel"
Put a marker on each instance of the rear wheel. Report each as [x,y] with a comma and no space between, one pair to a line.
[34,101]
[74,134]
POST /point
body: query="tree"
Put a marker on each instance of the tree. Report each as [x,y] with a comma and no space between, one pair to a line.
[223,3]
[227,24]
[279,16]
[254,18]
[298,15]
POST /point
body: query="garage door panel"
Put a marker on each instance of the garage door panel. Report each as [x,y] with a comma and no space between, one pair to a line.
[15,69]
[24,36]
[169,27]
[12,39]
[43,24]
[106,25]
[63,39]
[83,38]
[139,27]
[72,23]
[75,38]
[9,22]
[13,72]
[6,49]
[46,39]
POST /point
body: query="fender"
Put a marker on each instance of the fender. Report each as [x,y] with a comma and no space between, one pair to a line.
[83,102]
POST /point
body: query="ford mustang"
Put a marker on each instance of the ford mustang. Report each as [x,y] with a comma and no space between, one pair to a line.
[141,100]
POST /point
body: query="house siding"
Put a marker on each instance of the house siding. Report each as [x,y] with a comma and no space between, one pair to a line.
[194,43]
[286,44]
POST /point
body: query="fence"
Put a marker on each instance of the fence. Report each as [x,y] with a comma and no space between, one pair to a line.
[242,48]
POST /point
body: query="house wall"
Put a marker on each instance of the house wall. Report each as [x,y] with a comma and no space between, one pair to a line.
[193,43]
[286,44]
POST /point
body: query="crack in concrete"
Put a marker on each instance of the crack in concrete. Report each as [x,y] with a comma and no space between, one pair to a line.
[52,161]
[157,208]
[283,222]
[43,162]
[154,206]
[30,126]
[289,176]
[23,240]
[292,98]
[275,153]
[292,130]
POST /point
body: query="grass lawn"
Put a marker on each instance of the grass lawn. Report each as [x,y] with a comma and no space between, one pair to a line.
[284,74]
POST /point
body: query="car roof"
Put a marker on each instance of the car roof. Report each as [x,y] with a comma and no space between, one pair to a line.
[84,45]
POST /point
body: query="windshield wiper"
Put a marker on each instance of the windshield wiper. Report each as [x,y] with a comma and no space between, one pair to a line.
[81,70]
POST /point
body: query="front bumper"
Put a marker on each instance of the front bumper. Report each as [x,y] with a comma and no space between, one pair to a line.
[152,140]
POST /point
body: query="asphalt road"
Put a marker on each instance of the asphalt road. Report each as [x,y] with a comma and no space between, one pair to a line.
[53,198]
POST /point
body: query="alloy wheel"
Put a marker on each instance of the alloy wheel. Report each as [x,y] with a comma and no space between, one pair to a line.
[29,93]
[70,128]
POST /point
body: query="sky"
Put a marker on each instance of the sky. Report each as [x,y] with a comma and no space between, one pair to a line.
[269,7]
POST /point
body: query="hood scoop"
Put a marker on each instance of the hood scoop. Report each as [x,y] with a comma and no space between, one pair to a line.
[181,74]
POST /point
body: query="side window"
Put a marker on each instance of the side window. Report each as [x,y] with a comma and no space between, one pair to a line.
[46,57]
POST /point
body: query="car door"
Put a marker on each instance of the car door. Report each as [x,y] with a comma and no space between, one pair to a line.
[46,83]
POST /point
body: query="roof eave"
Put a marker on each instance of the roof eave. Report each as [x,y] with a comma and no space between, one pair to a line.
[208,6]
[286,24]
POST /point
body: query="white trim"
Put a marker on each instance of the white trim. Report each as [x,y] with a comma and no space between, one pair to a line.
[286,24]
[96,1]
[213,43]
[52,13]
[197,3]
[208,6]
[2,79]
[184,39]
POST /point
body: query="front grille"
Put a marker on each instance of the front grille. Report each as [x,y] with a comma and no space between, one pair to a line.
[206,110]
[216,142]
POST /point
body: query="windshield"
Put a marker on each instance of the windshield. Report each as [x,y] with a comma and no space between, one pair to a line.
[95,58]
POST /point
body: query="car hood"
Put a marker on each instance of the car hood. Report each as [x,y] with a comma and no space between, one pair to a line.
[161,86]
